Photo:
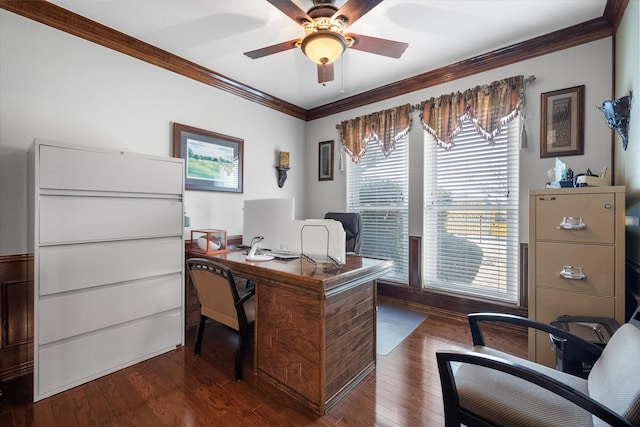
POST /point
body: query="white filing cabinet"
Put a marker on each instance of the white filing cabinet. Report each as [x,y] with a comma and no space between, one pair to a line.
[576,258]
[108,259]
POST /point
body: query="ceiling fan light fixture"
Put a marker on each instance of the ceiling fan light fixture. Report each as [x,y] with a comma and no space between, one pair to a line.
[323,46]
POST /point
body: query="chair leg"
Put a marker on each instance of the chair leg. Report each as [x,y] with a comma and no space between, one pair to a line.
[203,320]
[240,354]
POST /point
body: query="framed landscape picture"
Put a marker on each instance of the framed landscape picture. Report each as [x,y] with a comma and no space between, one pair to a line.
[562,122]
[213,161]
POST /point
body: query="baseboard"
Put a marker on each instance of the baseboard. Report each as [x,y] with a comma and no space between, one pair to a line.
[449,302]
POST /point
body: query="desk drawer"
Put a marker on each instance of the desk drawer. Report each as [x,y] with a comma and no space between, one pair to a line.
[596,210]
[597,262]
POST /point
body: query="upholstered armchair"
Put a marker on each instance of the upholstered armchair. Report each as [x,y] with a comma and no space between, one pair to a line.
[487,387]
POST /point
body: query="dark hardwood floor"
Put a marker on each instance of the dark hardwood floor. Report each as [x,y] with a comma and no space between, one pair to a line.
[180,389]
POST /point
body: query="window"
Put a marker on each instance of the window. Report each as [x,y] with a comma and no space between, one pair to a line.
[378,188]
[470,242]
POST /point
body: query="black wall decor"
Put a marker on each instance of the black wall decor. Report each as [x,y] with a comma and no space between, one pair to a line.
[616,113]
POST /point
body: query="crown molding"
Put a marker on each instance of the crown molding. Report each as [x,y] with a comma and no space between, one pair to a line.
[614,11]
[77,25]
[69,22]
[569,37]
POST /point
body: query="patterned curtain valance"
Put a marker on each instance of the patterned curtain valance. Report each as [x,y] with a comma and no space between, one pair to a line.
[384,127]
[489,107]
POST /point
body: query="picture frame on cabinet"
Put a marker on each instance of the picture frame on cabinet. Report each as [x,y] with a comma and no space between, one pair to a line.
[562,122]
[325,161]
[213,161]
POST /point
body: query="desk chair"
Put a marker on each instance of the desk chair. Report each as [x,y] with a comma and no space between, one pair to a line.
[352,224]
[220,301]
[486,387]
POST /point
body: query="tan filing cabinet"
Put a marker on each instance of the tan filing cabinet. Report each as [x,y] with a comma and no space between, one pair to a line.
[576,258]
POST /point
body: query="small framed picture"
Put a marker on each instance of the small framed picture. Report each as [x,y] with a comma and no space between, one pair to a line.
[325,161]
[213,162]
[562,122]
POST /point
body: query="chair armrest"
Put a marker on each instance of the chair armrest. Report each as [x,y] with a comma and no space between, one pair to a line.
[478,339]
[246,296]
[576,397]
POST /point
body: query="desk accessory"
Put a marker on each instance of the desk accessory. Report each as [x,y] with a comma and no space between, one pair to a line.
[209,241]
[311,231]
[252,256]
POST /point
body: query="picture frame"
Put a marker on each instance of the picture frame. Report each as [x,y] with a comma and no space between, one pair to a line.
[213,161]
[562,122]
[325,161]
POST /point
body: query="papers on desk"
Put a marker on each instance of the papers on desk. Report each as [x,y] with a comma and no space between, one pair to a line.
[281,254]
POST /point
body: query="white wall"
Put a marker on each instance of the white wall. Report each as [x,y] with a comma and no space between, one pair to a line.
[58,87]
[628,79]
[588,65]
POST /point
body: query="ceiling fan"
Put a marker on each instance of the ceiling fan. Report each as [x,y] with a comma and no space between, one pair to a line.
[325,40]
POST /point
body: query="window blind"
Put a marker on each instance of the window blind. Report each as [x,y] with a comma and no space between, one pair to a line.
[378,188]
[470,233]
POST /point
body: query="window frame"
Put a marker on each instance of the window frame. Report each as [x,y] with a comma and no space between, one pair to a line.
[488,225]
[373,210]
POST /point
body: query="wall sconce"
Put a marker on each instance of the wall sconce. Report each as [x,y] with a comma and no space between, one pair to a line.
[617,113]
[282,168]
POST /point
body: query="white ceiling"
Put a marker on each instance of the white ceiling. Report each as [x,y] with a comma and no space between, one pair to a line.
[215,33]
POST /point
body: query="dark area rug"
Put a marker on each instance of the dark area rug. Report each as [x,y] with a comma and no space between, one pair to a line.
[394,324]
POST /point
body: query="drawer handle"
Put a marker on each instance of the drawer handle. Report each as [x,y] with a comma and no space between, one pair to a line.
[572,223]
[572,273]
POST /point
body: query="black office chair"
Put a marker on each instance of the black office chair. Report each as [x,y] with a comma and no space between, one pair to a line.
[352,224]
[220,301]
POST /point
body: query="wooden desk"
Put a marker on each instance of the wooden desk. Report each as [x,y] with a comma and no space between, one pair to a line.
[315,331]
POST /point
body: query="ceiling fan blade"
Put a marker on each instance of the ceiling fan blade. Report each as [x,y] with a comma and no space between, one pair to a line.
[378,46]
[325,73]
[270,50]
[354,9]
[290,9]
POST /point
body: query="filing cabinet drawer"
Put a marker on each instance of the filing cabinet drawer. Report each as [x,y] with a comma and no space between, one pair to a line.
[77,360]
[88,169]
[72,219]
[551,303]
[59,314]
[74,267]
[597,262]
[596,210]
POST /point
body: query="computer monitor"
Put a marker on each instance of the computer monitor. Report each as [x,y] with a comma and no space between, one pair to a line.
[270,219]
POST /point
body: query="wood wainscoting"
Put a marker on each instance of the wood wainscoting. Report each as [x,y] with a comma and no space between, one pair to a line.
[16,316]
